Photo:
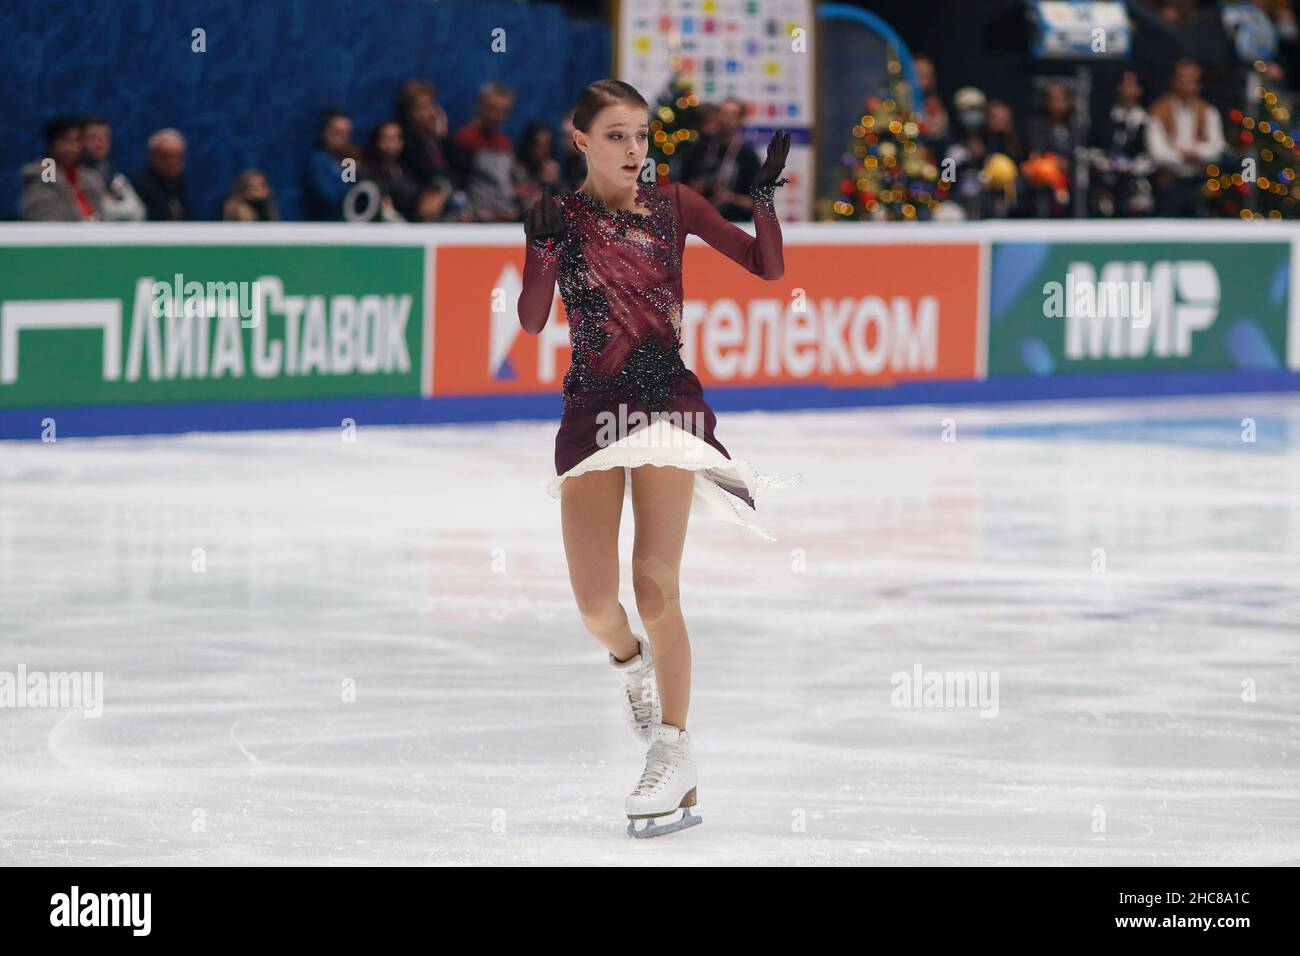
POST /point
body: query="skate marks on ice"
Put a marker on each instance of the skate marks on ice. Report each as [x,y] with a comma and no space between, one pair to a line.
[379,660]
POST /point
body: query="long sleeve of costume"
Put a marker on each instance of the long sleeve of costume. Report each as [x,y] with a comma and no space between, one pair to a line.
[541,268]
[762,253]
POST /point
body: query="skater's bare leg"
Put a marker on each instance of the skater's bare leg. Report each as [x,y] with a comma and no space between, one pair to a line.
[661,504]
[590,508]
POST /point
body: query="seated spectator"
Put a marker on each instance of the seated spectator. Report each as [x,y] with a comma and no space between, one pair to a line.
[399,191]
[1184,135]
[537,168]
[1052,142]
[56,188]
[161,185]
[328,180]
[250,199]
[967,150]
[573,162]
[934,118]
[1000,131]
[1121,166]
[722,165]
[429,157]
[121,204]
[489,157]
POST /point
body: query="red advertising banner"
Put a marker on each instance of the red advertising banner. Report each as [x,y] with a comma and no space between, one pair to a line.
[843,315]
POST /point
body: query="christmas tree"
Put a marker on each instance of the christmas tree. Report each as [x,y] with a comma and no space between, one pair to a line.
[1263,186]
[888,172]
[674,124]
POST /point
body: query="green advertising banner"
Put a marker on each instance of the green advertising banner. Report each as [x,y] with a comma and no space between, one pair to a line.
[1072,307]
[84,325]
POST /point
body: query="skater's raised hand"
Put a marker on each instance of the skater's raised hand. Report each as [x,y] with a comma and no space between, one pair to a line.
[774,162]
[544,220]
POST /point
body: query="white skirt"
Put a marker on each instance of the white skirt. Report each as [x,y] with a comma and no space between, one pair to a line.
[666,444]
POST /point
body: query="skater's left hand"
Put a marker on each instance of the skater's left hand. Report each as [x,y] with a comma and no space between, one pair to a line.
[774,162]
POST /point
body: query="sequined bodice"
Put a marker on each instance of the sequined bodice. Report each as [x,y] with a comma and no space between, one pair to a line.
[620,277]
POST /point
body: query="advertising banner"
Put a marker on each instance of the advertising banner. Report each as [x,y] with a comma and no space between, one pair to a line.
[1062,308]
[87,325]
[843,315]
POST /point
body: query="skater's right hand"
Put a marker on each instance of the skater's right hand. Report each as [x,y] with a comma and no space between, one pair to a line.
[544,219]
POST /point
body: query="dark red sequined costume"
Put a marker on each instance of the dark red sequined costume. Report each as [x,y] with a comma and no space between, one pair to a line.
[620,276]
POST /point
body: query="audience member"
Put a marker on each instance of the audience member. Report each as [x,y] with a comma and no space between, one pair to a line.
[489,157]
[328,179]
[537,167]
[1184,135]
[722,165]
[121,204]
[56,188]
[428,155]
[250,199]
[399,190]
[161,185]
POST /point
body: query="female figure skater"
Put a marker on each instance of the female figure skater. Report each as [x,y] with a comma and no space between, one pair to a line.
[634,415]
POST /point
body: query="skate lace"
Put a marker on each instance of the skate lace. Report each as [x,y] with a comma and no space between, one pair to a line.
[642,705]
[657,761]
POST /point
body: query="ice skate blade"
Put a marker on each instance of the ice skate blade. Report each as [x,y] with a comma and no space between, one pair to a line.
[653,829]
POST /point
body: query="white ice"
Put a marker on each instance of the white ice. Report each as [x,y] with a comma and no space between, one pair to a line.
[1130,571]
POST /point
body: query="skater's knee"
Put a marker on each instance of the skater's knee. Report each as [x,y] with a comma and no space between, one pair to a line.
[656,589]
[600,612]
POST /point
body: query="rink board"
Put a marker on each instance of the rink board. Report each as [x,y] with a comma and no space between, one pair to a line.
[297,325]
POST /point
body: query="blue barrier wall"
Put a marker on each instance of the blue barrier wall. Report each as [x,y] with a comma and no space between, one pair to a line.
[271,68]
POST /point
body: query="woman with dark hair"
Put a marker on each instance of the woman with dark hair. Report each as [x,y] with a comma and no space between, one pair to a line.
[429,156]
[635,421]
[535,166]
[399,191]
[331,168]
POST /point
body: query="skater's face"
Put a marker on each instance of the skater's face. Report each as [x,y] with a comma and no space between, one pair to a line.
[617,142]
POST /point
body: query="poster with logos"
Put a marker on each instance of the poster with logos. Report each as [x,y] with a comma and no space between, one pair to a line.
[760,51]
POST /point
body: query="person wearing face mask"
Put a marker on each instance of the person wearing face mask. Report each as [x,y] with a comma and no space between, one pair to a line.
[967,149]
[250,199]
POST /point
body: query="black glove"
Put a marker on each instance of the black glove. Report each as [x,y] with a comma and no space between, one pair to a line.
[544,219]
[773,163]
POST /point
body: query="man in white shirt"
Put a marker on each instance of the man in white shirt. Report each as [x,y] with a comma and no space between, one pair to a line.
[1185,135]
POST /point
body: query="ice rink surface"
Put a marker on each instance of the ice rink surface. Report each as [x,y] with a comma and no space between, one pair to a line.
[1128,570]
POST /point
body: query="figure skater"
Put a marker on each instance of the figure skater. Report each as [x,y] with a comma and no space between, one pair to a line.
[635,422]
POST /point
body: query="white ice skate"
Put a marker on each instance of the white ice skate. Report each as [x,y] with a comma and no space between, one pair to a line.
[667,786]
[641,692]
